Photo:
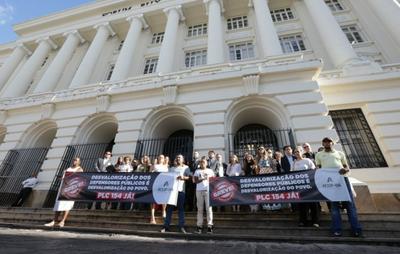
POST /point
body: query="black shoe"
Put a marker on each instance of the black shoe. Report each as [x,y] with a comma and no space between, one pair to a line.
[357,234]
[301,224]
[199,230]
[182,229]
[209,230]
[164,229]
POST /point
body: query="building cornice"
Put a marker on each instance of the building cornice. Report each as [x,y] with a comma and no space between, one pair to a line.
[293,63]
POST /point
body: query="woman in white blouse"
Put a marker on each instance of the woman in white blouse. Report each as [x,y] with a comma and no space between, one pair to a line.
[234,169]
[159,166]
[301,163]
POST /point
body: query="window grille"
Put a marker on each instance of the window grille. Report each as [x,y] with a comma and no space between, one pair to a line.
[357,139]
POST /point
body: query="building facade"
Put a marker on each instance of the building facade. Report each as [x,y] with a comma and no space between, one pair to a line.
[145,77]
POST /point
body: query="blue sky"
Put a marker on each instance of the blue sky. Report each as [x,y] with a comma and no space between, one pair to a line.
[17,11]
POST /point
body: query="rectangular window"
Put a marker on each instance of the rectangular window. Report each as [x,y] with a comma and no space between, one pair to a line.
[241,51]
[334,5]
[357,139]
[110,72]
[293,43]
[281,14]
[237,23]
[197,30]
[150,65]
[195,58]
[353,34]
[157,38]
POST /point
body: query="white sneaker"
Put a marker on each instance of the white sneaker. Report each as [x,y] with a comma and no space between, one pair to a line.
[50,224]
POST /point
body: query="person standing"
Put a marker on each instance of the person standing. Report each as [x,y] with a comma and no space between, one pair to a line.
[234,169]
[126,167]
[212,161]
[27,187]
[183,173]
[201,179]
[62,207]
[330,158]
[159,166]
[288,159]
[308,153]
[301,163]
[103,165]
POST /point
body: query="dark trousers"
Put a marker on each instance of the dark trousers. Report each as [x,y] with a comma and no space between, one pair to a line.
[22,196]
[190,196]
[181,211]
[305,208]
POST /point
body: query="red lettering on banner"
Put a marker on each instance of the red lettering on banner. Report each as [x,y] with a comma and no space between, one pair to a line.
[278,196]
[115,196]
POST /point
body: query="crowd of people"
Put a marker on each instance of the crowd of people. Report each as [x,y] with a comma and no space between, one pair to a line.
[193,183]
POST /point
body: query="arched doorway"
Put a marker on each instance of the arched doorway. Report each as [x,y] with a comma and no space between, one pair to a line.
[168,130]
[93,137]
[26,159]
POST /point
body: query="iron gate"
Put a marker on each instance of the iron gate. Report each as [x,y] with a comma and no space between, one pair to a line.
[247,140]
[88,153]
[170,147]
[18,165]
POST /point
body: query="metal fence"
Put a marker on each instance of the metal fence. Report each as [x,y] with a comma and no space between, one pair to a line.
[247,141]
[18,165]
[170,147]
[88,153]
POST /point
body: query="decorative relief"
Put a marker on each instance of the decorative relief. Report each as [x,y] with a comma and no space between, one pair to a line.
[47,110]
[251,84]
[103,103]
[170,93]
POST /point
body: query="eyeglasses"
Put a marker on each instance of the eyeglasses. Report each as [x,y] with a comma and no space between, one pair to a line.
[296,151]
[108,153]
[305,147]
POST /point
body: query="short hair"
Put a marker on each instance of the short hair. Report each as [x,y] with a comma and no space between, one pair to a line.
[286,146]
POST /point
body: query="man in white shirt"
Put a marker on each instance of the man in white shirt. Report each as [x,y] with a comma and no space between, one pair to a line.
[28,185]
[201,178]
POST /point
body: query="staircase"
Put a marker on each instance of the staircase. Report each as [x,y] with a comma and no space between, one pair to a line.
[274,226]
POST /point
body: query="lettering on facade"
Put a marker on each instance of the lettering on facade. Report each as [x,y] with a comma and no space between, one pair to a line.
[117,11]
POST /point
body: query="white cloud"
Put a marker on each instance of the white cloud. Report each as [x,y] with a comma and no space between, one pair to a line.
[6,13]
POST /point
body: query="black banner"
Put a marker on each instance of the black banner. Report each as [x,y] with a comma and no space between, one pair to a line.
[158,188]
[300,186]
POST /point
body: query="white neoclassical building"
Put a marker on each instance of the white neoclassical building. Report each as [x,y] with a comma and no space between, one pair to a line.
[147,77]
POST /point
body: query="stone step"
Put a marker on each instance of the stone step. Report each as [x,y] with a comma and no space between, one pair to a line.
[287,230]
[390,241]
[191,220]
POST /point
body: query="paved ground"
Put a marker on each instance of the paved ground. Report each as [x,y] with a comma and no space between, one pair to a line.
[13,241]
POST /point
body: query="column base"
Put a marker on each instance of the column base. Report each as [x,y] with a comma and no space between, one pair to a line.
[361,67]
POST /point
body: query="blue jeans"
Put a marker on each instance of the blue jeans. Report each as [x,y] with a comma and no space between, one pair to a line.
[351,214]
[181,211]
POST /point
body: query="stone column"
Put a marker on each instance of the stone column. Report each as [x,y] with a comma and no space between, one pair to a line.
[216,31]
[338,47]
[389,13]
[20,83]
[86,68]
[266,29]
[56,68]
[168,46]
[124,61]
[8,68]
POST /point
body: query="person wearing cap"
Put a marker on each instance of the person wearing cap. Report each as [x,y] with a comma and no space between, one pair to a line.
[330,158]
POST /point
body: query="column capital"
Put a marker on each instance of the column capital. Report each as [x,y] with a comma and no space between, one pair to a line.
[22,46]
[50,41]
[139,17]
[178,8]
[251,4]
[220,2]
[75,33]
[107,26]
